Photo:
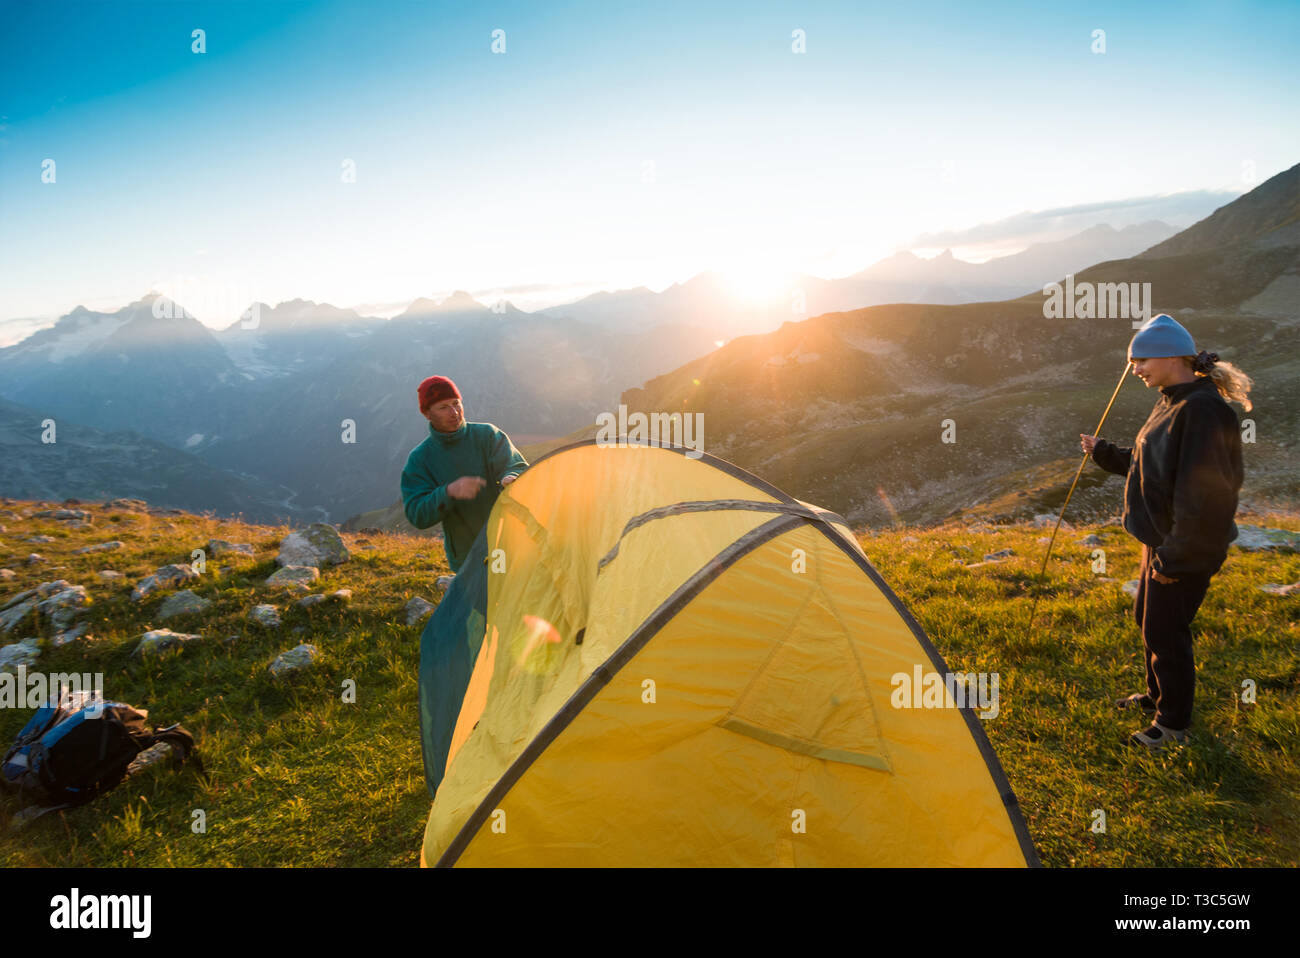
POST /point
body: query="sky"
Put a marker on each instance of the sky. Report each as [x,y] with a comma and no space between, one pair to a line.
[601,145]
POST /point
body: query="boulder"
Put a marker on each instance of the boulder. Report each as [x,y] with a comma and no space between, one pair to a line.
[13,614]
[1048,521]
[265,615]
[7,574]
[40,539]
[1091,540]
[24,653]
[1131,588]
[220,547]
[101,547]
[158,641]
[127,505]
[318,545]
[1275,589]
[1262,539]
[34,558]
[68,636]
[444,582]
[417,609]
[63,607]
[294,577]
[168,575]
[307,601]
[110,574]
[182,603]
[61,514]
[999,555]
[341,595]
[297,659]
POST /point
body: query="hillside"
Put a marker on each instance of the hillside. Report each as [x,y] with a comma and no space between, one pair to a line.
[298,776]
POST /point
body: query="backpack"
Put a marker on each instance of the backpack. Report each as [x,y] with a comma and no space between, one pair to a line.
[78,746]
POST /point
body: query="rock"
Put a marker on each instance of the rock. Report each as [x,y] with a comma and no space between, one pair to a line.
[1131,588]
[220,547]
[12,615]
[63,607]
[128,505]
[910,539]
[68,636]
[80,524]
[153,755]
[7,574]
[417,609]
[341,595]
[40,539]
[25,594]
[1274,589]
[369,548]
[1262,539]
[444,582]
[265,615]
[294,577]
[34,558]
[46,589]
[1049,521]
[110,574]
[1090,540]
[158,641]
[297,659]
[101,547]
[999,555]
[182,603]
[306,602]
[168,575]
[61,514]
[318,545]
[24,653]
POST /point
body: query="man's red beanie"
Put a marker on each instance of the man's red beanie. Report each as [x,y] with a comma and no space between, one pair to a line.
[435,389]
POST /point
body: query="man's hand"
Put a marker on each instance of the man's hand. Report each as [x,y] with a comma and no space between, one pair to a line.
[466,487]
[1087,442]
[507,480]
[1163,579]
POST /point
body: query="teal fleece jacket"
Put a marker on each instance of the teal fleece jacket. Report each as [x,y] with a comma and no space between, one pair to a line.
[475,449]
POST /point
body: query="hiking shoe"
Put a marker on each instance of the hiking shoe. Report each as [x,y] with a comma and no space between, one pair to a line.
[1157,737]
[1138,700]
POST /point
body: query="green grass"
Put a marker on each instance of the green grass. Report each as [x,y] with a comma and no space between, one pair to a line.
[1230,797]
[298,777]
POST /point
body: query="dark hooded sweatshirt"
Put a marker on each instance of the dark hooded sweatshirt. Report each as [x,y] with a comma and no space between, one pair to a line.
[475,449]
[1182,487]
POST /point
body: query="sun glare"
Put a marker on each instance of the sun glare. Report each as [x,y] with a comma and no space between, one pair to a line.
[757,285]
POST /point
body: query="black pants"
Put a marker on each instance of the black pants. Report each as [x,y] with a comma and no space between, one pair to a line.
[1164,613]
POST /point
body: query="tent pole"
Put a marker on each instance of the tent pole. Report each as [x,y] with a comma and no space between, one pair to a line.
[1077,473]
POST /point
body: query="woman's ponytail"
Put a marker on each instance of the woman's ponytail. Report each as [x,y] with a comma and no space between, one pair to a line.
[1233,384]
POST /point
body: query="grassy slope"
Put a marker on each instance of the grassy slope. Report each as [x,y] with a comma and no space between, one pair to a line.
[299,778]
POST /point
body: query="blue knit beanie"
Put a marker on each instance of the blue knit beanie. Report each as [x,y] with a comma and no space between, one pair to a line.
[1159,337]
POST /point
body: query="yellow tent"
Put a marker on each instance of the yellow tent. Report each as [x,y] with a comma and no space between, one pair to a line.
[654,659]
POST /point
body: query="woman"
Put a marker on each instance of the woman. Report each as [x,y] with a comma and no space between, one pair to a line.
[1179,502]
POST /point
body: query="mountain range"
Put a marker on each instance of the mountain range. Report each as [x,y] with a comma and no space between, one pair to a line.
[310,410]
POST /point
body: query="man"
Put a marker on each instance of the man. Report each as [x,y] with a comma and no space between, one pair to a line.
[455,475]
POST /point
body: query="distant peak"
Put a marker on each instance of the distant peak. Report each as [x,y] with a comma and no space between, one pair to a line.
[459,300]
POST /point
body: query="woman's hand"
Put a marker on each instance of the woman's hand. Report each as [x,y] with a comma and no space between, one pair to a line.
[1087,442]
[1163,579]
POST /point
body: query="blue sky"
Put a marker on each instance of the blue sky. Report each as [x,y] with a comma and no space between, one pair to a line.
[609,145]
